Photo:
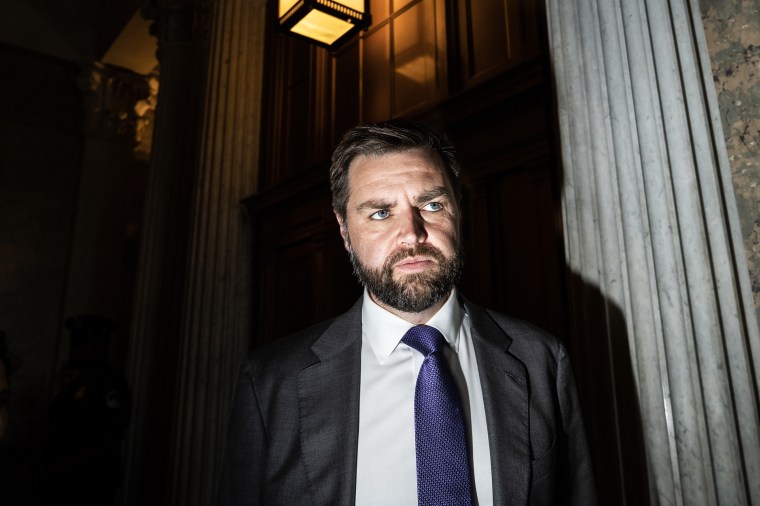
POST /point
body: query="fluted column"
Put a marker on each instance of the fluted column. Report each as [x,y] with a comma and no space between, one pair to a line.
[181,27]
[652,231]
[215,329]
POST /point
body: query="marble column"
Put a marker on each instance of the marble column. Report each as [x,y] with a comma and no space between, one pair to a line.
[653,244]
[215,331]
[182,30]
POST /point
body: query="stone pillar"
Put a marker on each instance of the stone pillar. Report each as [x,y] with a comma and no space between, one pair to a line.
[215,332]
[181,27]
[95,281]
[661,290]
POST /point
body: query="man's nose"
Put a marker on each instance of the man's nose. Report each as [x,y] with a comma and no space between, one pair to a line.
[412,228]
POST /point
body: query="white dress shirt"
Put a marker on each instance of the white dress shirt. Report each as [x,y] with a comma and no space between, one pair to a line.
[386,471]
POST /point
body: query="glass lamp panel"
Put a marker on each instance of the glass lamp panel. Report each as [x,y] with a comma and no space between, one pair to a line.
[285,6]
[321,27]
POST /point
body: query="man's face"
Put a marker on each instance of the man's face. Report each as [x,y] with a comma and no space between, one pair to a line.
[402,229]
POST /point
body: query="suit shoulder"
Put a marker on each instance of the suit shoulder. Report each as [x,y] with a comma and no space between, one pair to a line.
[527,336]
[293,350]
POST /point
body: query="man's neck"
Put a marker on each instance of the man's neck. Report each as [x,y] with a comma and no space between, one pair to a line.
[416,318]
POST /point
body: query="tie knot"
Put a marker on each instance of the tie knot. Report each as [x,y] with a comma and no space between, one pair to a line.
[424,339]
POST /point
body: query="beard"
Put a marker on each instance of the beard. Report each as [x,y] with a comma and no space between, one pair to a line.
[410,293]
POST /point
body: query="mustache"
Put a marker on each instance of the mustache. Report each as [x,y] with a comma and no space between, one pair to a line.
[419,250]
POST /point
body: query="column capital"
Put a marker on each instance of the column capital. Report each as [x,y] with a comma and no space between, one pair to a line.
[178,22]
[109,96]
[145,110]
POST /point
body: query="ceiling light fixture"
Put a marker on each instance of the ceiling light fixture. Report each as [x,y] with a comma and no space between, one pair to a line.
[327,23]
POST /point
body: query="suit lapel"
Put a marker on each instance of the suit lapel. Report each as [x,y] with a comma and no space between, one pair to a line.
[328,393]
[505,395]
[328,397]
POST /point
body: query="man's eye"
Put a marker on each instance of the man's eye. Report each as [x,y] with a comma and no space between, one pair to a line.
[380,215]
[433,206]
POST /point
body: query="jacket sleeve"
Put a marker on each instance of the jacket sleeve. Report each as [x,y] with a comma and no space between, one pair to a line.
[245,451]
[575,484]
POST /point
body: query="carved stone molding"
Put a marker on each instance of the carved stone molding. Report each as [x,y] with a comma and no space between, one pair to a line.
[109,97]
[145,110]
[178,22]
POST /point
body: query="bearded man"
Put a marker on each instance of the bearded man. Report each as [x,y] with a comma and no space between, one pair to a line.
[415,395]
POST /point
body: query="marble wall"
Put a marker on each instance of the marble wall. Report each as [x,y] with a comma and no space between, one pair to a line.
[732,28]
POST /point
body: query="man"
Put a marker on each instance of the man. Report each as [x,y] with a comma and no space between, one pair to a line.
[349,411]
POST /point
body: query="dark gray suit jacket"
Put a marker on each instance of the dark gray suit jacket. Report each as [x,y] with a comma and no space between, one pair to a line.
[293,432]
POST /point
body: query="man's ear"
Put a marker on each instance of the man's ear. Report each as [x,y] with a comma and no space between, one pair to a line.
[343,230]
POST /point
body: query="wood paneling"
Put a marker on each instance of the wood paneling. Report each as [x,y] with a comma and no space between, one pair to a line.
[512,240]
[418,58]
[513,258]
[303,274]
[483,25]
[404,59]
[346,90]
[286,109]
[376,74]
[494,36]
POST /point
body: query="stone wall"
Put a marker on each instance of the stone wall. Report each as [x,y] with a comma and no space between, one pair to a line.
[732,28]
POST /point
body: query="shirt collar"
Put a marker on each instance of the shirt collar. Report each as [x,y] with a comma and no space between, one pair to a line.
[383,330]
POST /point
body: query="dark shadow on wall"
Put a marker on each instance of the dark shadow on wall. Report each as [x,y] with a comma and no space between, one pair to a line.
[598,340]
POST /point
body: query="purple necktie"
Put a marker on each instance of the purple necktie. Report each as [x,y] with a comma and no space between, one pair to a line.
[443,465]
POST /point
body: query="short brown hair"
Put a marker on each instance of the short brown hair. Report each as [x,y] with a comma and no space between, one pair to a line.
[377,139]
